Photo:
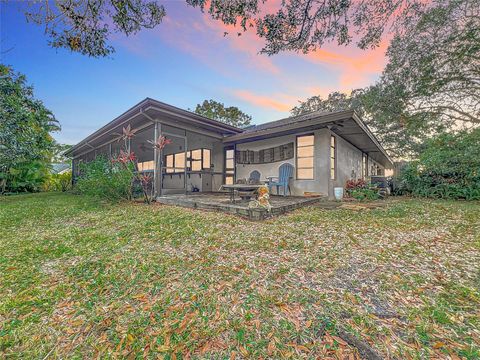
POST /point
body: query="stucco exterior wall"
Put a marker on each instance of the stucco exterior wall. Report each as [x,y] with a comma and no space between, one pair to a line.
[319,184]
[349,163]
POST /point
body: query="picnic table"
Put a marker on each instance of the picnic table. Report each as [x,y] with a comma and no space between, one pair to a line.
[245,188]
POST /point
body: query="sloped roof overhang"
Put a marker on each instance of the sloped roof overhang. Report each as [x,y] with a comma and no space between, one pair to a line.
[149,110]
[346,124]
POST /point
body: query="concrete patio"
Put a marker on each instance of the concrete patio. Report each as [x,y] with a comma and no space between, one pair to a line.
[219,201]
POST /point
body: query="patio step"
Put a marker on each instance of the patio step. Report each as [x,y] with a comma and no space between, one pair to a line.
[219,202]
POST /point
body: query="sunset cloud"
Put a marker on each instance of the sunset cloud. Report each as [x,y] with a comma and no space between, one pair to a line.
[266,101]
[276,83]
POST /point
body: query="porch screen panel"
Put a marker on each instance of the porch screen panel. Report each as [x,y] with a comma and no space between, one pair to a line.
[116,147]
[305,149]
[141,146]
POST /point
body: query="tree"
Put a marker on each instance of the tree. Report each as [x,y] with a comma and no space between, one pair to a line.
[25,141]
[58,153]
[305,25]
[294,25]
[402,137]
[433,68]
[446,168]
[229,115]
[336,101]
[84,25]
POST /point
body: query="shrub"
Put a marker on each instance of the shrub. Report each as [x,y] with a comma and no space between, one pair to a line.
[106,179]
[360,190]
[58,182]
[354,184]
[448,168]
[25,176]
[365,194]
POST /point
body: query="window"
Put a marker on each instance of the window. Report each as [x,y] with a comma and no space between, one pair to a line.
[229,166]
[333,150]
[179,164]
[206,159]
[196,160]
[146,165]
[364,166]
[169,163]
[305,146]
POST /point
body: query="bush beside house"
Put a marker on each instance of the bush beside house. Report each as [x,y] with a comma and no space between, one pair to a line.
[448,168]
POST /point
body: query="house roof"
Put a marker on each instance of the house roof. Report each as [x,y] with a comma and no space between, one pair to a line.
[150,109]
[285,121]
[60,167]
[347,124]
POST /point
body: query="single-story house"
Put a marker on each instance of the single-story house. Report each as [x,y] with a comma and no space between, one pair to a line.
[326,149]
[60,168]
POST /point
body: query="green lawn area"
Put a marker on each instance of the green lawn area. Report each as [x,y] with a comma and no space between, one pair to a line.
[82,278]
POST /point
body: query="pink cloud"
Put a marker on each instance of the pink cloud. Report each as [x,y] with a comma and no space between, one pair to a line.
[269,102]
[355,66]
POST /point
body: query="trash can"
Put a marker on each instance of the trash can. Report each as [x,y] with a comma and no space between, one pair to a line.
[338,193]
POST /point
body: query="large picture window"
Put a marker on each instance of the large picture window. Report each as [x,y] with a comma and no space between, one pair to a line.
[146,166]
[305,149]
[197,160]
[229,166]
[333,154]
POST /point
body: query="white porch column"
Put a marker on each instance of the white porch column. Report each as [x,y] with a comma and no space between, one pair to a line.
[157,157]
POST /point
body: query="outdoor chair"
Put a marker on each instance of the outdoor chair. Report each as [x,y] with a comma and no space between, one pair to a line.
[254,178]
[285,173]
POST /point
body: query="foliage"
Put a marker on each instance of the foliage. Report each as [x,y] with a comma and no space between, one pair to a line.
[354,184]
[26,176]
[305,25]
[58,182]
[292,25]
[429,85]
[449,168]
[25,141]
[84,26]
[400,137]
[360,190]
[230,115]
[83,278]
[58,153]
[106,179]
[367,194]
[433,67]
[120,171]
[335,101]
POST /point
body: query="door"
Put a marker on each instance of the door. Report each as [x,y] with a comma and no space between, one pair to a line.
[174,165]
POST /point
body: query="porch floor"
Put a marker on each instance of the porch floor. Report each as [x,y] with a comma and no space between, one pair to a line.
[220,202]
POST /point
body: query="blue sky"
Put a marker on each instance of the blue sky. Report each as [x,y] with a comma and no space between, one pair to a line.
[183,61]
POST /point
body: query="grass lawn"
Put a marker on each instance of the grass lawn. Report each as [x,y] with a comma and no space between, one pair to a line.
[81,278]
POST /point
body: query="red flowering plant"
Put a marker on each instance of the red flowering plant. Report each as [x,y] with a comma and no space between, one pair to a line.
[126,162]
[129,162]
[160,143]
[359,189]
[354,184]
[147,179]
